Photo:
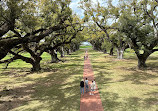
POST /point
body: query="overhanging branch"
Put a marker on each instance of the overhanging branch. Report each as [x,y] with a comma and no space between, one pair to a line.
[154,50]
[9,60]
[7,44]
[64,42]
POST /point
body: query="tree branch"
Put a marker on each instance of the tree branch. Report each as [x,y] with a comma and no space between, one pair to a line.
[26,59]
[154,50]
[8,37]
[17,33]
[4,29]
[9,60]
[35,32]
[7,44]
[26,48]
[64,42]
[145,10]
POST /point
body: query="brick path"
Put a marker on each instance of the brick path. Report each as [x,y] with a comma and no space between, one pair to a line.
[90,102]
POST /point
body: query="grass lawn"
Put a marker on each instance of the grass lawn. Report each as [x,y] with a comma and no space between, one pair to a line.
[122,86]
[85,47]
[54,88]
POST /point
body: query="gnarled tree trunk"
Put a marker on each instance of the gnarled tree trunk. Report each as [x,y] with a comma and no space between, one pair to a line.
[34,60]
[36,64]
[36,67]
[142,61]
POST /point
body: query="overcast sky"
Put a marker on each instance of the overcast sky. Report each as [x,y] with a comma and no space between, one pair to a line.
[75,6]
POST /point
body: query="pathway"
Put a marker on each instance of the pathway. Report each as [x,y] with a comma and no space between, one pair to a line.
[90,102]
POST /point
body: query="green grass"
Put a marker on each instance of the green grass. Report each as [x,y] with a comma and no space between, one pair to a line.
[85,47]
[54,88]
[21,64]
[122,86]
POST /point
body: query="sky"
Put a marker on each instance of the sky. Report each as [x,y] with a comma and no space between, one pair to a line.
[75,6]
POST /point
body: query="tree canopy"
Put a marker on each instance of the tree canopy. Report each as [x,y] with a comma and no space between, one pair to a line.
[129,24]
[35,26]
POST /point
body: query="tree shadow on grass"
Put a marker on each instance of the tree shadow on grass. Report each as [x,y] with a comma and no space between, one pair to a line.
[12,98]
[152,99]
[152,66]
[23,72]
[150,102]
[15,71]
[59,96]
[77,60]
[131,58]
[111,102]
[153,58]
[50,93]
[76,56]
[99,77]
[131,104]
[68,66]
[93,55]
[103,64]
[138,104]
[137,77]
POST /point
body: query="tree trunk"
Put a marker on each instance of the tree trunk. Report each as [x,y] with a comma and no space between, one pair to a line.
[104,51]
[36,64]
[69,51]
[62,52]
[94,48]
[142,61]
[120,52]
[111,51]
[3,53]
[54,57]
